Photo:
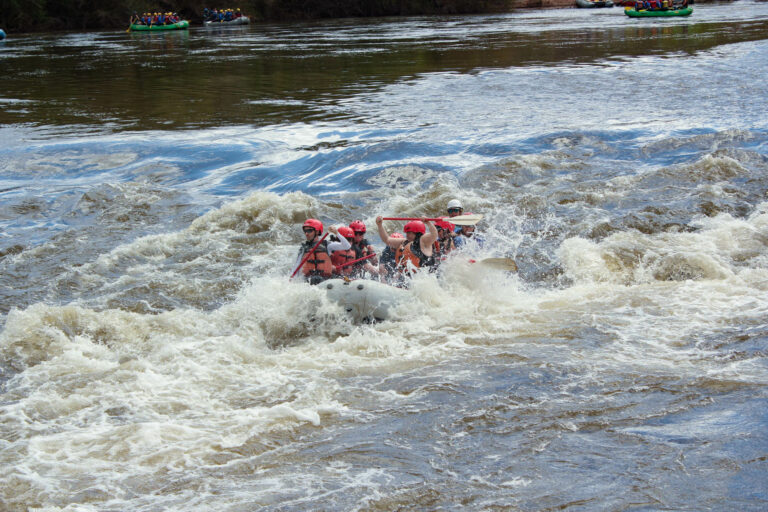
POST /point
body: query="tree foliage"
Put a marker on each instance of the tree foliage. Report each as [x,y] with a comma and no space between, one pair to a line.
[46,15]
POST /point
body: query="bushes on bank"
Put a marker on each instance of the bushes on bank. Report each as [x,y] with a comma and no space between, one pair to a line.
[47,15]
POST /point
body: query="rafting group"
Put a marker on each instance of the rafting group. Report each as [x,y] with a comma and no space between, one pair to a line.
[155,19]
[656,8]
[221,15]
[660,5]
[424,244]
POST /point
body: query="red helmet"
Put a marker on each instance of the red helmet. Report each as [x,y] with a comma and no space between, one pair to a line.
[346,232]
[358,226]
[443,224]
[314,224]
[396,235]
[415,226]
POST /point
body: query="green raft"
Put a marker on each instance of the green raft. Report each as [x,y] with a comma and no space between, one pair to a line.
[181,25]
[629,11]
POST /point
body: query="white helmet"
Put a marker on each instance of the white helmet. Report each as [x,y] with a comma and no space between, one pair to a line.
[454,203]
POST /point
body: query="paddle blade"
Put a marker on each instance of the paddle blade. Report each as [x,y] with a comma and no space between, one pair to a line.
[506,264]
[465,220]
[461,220]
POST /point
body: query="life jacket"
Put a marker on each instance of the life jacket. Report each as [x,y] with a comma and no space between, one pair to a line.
[319,263]
[410,256]
[342,257]
[363,249]
[388,258]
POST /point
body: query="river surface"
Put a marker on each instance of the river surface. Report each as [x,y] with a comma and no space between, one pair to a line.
[155,357]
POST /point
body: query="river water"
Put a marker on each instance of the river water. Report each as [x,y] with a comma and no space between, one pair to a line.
[155,357]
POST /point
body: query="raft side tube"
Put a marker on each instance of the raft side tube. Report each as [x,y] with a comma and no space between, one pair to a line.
[363,299]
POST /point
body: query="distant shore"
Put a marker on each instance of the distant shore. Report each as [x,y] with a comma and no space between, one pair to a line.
[37,16]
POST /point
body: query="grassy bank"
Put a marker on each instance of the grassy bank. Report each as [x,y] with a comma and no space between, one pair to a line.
[49,15]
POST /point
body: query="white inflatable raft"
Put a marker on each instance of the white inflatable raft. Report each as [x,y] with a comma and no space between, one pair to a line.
[364,300]
[372,301]
[242,20]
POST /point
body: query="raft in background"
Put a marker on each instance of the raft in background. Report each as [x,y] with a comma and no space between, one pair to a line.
[594,3]
[180,25]
[634,13]
[242,20]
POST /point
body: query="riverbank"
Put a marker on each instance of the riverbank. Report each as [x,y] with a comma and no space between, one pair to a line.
[40,16]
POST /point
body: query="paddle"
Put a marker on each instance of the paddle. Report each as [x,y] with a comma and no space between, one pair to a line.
[356,261]
[507,264]
[309,253]
[461,220]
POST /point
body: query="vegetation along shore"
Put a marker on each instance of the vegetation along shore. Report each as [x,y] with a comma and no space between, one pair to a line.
[51,15]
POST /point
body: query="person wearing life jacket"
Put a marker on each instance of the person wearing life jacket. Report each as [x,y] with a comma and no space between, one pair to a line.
[340,257]
[362,249]
[416,250]
[318,267]
[444,243]
[387,261]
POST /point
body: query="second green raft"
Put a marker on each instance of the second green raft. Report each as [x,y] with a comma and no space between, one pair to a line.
[685,11]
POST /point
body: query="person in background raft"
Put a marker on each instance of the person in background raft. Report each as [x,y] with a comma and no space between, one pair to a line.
[415,251]
[318,266]
[362,249]
[387,261]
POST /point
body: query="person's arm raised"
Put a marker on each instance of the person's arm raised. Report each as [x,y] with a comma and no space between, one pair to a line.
[391,242]
[428,240]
